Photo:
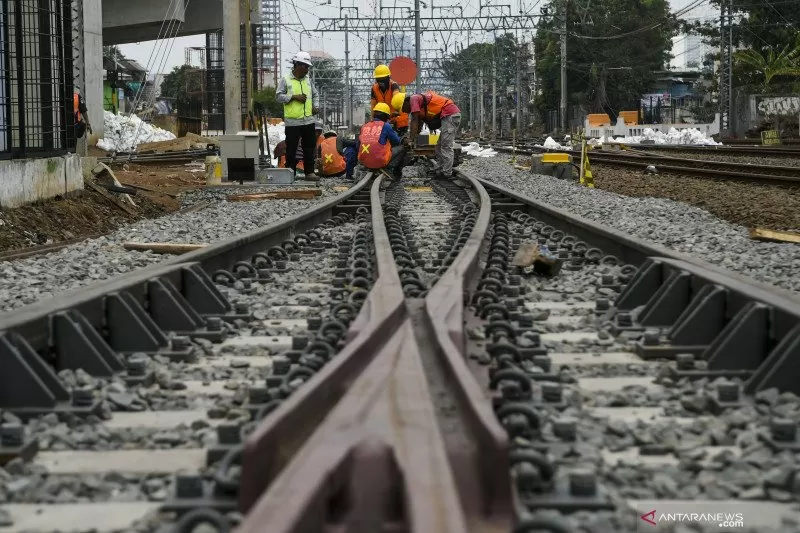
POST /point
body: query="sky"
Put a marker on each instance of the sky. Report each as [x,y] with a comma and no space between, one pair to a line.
[299,15]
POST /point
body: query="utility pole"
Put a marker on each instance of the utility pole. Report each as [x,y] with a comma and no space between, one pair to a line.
[348,101]
[518,113]
[494,98]
[564,69]
[471,108]
[726,67]
[248,32]
[480,104]
[231,20]
[417,38]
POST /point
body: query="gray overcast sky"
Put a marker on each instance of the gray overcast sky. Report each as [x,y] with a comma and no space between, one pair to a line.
[299,14]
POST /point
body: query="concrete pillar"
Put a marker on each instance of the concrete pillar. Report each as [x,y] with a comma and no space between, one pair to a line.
[93,64]
[231,19]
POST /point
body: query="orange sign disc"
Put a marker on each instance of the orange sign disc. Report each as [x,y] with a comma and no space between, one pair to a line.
[404,70]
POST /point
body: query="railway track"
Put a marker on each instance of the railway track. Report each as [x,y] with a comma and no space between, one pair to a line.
[788,150]
[376,363]
[685,166]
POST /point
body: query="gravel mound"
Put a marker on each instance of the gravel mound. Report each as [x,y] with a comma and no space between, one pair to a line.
[32,279]
[678,226]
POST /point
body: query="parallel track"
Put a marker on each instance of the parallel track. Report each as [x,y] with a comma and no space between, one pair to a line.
[683,166]
[375,415]
[789,150]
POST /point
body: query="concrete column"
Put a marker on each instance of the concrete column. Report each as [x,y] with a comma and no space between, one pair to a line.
[233,74]
[93,64]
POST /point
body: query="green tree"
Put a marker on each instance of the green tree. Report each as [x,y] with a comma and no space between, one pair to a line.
[769,64]
[614,50]
[497,59]
[182,84]
[266,98]
[762,26]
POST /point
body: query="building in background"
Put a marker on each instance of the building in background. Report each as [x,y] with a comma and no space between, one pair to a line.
[268,44]
[122,79]
[688,52]
[390,45]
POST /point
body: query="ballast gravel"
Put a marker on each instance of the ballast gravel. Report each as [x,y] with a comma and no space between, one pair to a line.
[33,279]
[674,225]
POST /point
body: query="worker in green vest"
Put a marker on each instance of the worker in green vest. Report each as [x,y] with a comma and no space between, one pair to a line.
[296,94]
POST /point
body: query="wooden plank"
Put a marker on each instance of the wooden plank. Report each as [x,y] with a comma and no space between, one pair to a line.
[174,145]
[194,208]
[148,189]
[299,194]
[108,197]
[163,247]
[763,234]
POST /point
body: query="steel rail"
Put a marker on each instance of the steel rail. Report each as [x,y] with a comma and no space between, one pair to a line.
[638,161]
[34,323]
[626,247]
[790,150]
[367,445]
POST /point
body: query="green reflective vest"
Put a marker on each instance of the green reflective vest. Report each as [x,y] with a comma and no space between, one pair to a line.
[295,109]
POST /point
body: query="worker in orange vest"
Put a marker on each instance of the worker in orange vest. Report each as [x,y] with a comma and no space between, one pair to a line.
[438,113]
[380,146]
[382,92]
[81,114]
[330,162]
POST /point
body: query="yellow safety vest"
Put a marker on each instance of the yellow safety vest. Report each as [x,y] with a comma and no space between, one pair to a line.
[295,109]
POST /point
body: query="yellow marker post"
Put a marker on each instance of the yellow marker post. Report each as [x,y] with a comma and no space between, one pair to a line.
[586,169]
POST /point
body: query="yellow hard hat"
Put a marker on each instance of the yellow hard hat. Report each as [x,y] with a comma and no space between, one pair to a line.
[382,71]
[397,101]
[382,108]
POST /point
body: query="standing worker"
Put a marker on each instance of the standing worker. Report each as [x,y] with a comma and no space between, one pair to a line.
[380,147]
[300,157]
[295,92]
[438,113]
[383,90]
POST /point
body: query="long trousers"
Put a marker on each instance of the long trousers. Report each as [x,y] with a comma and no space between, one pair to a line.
[294,134]
[447,138]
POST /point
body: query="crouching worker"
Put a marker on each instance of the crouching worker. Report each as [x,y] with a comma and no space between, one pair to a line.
[374,151]
[330,162]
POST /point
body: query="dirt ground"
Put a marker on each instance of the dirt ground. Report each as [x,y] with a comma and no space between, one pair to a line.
[748,204]
[91,213]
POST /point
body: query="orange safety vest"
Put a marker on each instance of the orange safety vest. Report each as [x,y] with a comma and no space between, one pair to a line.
[332,160]
[400,121]
[76,107]
[432,104]
[372,153]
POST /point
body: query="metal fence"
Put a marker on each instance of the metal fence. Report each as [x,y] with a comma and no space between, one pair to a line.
[36,116]
[215,78]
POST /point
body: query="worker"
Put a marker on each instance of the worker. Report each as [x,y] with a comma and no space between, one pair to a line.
[82,124]
[280,154]
[438,113]
[330,162]
[382,92]
[374,151]
[296,93]
[300,157]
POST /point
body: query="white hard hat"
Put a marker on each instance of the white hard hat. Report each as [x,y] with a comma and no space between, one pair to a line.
[302,57]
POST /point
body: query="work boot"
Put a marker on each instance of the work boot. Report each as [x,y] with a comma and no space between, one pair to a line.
[311,177]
